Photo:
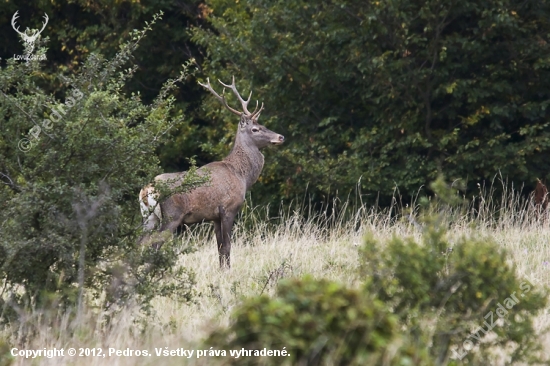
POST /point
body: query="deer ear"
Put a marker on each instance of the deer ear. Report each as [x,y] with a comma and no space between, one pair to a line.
[243,122]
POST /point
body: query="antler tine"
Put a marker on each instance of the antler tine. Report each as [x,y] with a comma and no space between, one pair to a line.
[13,19]
[220,98]
[244,103]
[255,108]
[256,115]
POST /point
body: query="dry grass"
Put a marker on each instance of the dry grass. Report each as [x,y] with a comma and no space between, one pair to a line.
[266,250]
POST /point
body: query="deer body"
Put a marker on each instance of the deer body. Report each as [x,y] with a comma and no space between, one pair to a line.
[221,198]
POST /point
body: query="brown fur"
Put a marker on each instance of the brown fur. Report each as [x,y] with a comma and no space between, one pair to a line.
[221,198]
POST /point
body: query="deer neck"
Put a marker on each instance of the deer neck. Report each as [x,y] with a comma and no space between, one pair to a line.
[246,160]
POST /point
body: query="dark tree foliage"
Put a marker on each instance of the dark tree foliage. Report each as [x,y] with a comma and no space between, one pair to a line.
[380,93]
[389,93]
[78,28]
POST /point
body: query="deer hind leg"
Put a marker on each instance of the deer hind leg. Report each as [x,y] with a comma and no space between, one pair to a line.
[153,219]
[222,228]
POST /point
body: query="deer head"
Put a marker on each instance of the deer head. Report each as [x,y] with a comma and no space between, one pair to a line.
[250,131]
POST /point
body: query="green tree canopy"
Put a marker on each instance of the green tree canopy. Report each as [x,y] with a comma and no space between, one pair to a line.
[390,92]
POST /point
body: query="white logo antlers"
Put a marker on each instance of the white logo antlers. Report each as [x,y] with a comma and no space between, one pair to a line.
[28,38]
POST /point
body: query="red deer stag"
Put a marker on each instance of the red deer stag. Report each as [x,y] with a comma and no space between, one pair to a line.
[222,197]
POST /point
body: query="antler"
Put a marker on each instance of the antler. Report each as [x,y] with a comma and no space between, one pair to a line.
[44,26]
[244,103]
[256,115]
[13,19]
[220,98]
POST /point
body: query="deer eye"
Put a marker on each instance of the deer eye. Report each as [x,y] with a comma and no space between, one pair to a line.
[255,129]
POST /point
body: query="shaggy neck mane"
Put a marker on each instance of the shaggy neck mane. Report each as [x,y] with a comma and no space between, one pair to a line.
[247,161]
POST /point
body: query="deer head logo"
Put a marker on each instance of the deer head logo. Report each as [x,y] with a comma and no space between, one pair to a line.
[30,35]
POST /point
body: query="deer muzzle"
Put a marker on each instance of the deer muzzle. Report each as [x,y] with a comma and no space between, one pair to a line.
[279,139]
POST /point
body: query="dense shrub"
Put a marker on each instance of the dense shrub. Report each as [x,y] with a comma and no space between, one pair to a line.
[317,322]
[459,289]
[71,167]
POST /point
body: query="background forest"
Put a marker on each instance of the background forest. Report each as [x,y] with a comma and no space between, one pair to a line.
[371,94]
[351,231]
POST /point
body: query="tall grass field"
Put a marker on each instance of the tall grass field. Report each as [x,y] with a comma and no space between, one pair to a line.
[267,250]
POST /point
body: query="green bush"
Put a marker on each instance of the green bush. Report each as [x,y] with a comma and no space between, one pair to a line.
[460,290]
[71,167]
[317,322]
[454,292]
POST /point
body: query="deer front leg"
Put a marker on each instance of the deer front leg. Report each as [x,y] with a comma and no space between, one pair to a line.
[222,228]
